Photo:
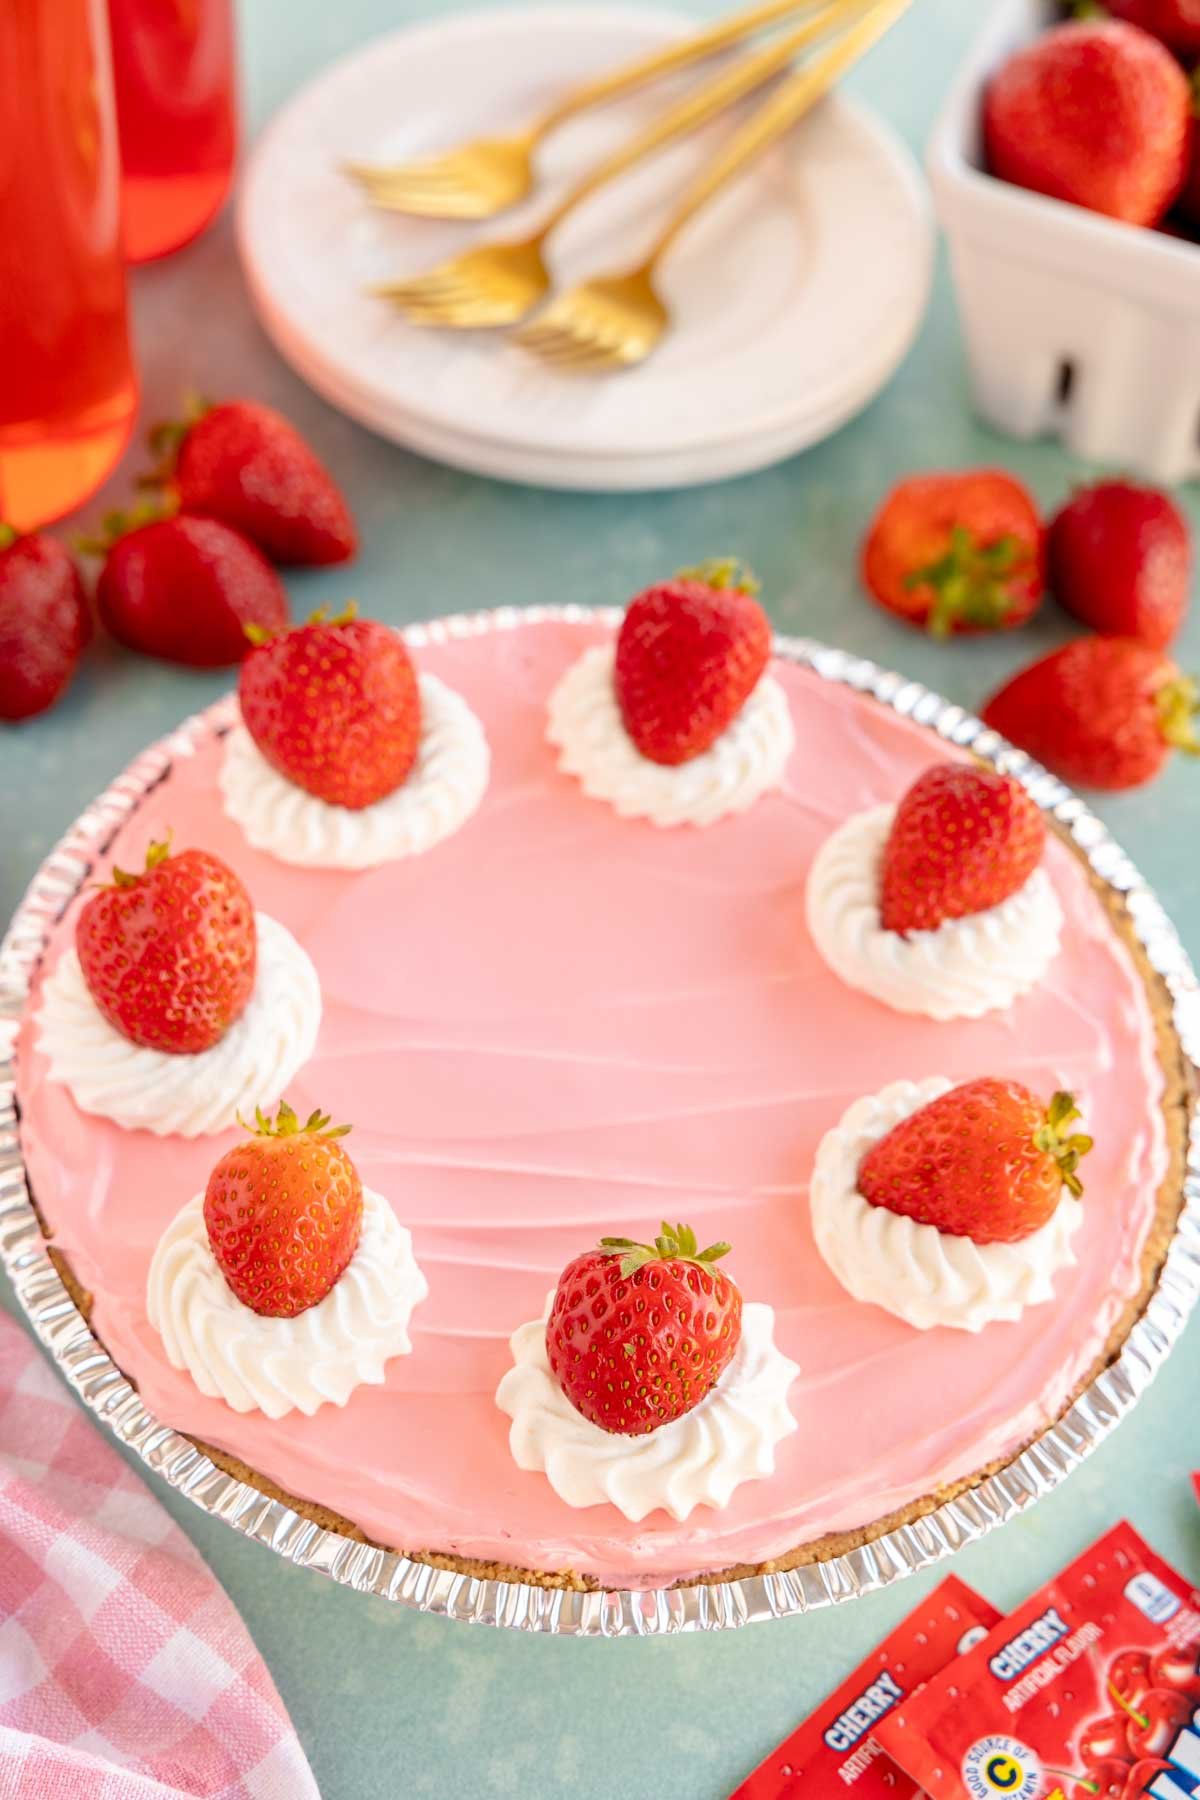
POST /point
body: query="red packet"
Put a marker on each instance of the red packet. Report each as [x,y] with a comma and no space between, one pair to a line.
[834,1751]
[1089,1691]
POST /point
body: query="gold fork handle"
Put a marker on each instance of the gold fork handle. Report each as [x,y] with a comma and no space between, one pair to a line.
[776,117]
[697,108]
[631,76]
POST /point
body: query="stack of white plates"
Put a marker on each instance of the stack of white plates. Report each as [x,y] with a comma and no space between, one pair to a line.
[795,296]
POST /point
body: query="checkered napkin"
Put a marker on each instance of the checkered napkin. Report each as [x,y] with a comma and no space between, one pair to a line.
[125,1673]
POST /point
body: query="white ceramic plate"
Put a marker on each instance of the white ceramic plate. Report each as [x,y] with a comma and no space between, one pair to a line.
[687,467]
[795,295]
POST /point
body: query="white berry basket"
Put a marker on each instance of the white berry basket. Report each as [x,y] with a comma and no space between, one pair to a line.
[1076,325]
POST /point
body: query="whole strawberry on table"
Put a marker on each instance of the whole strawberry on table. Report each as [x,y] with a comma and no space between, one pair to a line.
[45,624]
[183,589]
[187,574]
[956,552]
[1102,712]
[962,552]
[246,465]
[1120,560]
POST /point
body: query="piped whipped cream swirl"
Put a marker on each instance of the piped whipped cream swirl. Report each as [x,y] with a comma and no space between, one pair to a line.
[180,1095]
[963,968]
[698,1460]
[925,1276]
[442,789]
[585,725]
[277,1366]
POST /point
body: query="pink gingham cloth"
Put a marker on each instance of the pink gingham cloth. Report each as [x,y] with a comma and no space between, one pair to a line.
[125,1672]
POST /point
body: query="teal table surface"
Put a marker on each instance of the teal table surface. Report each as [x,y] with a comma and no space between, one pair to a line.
[387,1702]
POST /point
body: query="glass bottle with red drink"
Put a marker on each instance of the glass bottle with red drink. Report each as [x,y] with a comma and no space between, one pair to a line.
[173,62]
[68,393]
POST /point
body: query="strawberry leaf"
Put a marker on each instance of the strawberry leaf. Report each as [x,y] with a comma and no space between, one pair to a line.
[1178,702]
[728,574]
[287,1124]
[1066,1151]
[970,582]
[675,1243]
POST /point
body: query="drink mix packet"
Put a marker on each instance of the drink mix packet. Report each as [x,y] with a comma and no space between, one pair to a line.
[1089,1691]
[834,1751]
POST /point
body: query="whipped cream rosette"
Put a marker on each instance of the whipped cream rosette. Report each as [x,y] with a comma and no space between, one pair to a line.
[345,757]
[290,1304]
[678,722]
[947,1205]
[939,905]
[647,1384]
[178,1003]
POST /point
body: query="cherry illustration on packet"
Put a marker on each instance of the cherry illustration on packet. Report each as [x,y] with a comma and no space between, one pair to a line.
[1089,1691]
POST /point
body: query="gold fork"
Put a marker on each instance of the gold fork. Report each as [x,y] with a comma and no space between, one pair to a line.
[615,321]
[481,178]
[499,283]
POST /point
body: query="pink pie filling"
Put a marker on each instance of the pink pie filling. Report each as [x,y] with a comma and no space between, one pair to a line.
[559,1024]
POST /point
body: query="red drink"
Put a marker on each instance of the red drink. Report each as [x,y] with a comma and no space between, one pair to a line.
[176,105]
[67,391]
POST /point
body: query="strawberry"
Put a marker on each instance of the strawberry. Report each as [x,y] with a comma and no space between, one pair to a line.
[985,1161]
[245,464]
[689,654]
[1175,23]
[44,623]
[184,589]
[169,955]
[1097,113]
[1104,712]
[956,552]
[283,1211]
[963,840]
[1120,559]
[335,707]
[639,1333]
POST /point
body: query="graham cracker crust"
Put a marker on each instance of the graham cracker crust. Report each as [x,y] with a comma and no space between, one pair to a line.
[1180,1079]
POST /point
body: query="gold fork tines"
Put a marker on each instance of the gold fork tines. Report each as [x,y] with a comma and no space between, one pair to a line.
[490,286]
[500,283]
[475,181]
[478,179]
[615,321]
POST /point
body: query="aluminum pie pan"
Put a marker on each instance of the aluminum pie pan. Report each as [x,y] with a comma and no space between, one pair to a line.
[925,1540]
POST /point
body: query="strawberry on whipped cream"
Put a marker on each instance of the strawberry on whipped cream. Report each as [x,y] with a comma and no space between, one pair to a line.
[177,1003]
[699,1459]
[678,721]
[939,905]
[648,1383]
[345,757]
[179,1095]
[279,1365]
[445,785]
[285,1284]
[923,1274]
